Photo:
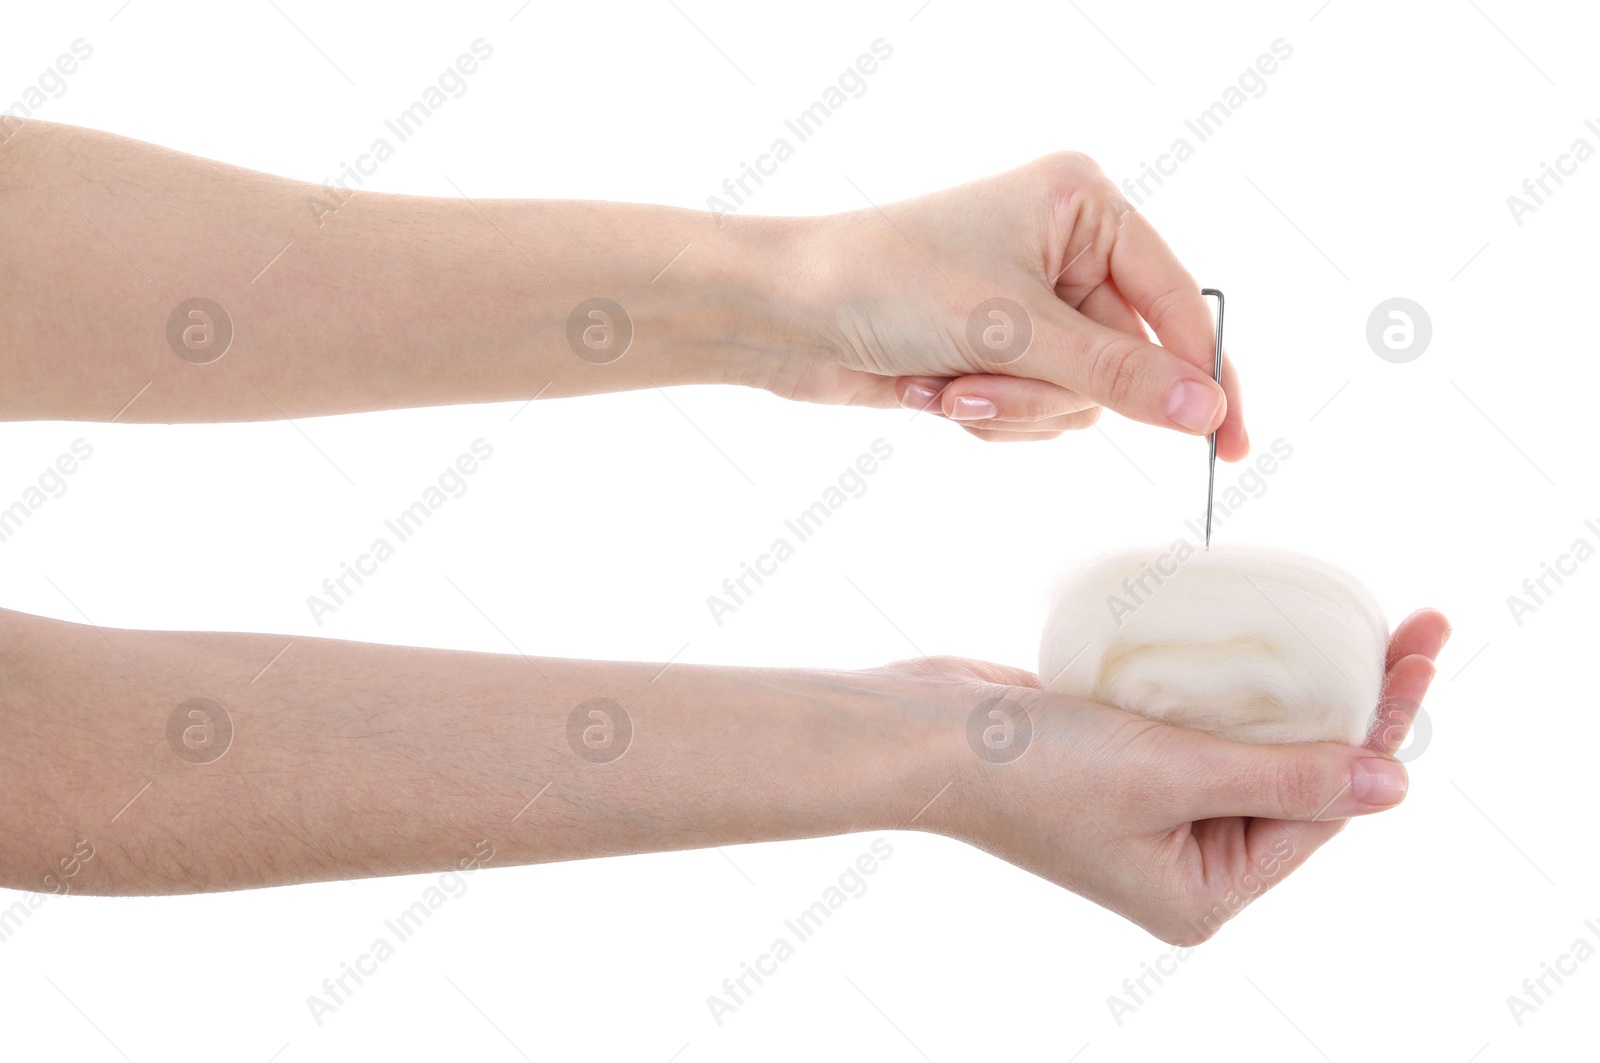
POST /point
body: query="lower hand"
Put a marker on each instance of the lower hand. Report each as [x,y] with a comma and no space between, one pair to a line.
[1172,828]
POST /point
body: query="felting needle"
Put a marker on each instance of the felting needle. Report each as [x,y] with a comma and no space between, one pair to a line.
[1216,374]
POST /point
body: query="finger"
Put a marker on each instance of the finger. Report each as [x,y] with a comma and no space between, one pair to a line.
[999,401]
[1403,691]
[994,435]
[920,393]
[1424,631]
[1268,841]
[1131,376]
[1162,291]
[1233,441]
[1108,306]
[1313,781]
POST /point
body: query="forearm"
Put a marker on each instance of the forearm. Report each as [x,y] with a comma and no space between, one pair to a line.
[343,302]
[349,760]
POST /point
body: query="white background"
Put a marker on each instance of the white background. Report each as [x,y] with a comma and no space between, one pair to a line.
[1376,164]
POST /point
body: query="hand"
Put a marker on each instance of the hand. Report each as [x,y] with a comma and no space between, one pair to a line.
[1174,829]
[893,291]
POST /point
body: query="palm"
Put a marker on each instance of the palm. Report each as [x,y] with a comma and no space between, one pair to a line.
[1109,788]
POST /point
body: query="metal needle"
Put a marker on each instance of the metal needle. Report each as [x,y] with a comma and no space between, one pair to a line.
[1216,374]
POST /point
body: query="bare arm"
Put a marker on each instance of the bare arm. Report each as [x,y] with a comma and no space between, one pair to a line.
[346,759]
[143,284]
[190,761]
[341,302]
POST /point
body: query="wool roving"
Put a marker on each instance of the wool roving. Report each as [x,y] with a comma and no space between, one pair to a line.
[1248,643]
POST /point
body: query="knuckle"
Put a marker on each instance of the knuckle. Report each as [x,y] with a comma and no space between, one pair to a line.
[1071,164]
[1297,786]
[1115,368]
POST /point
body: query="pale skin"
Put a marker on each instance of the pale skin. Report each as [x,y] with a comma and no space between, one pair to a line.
[351,760]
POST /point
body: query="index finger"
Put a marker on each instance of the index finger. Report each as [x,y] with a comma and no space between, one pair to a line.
[1167,296]
[1152,279]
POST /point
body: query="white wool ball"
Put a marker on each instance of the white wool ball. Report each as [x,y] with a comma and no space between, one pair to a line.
[1248,643]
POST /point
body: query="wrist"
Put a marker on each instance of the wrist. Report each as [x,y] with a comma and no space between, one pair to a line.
[910,749]
[758,287]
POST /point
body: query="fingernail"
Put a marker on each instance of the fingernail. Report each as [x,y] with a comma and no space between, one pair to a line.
[972,408]
[1378,782]
[1447,633]
[1193,405]
[919,397]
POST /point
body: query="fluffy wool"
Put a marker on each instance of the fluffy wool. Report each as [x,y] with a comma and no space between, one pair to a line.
[1247,643]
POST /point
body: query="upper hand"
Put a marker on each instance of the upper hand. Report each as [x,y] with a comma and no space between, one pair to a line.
[897,296]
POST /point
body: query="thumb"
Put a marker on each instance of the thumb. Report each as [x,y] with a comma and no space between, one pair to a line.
[1318,781]
[1124,373]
